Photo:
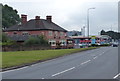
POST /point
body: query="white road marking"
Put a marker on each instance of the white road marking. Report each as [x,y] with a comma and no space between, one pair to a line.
[43,78]
[116,76]
[102,53]
[15,69]
[63,71]
[85,62]
[95,57]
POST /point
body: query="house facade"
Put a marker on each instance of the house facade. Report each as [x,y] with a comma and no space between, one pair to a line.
[36,27]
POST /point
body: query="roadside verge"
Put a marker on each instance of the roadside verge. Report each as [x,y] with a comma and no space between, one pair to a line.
[14,60]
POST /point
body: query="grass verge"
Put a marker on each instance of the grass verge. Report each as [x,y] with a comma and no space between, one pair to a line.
[12,59]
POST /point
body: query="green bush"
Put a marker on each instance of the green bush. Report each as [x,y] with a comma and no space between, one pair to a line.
[94,45]
[4,37]
[40,40]
[6,40]
[105,45]
[10,42]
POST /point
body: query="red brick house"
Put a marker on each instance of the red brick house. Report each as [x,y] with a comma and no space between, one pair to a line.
[35,27]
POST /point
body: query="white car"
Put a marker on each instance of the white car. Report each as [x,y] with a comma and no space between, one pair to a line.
[98,44]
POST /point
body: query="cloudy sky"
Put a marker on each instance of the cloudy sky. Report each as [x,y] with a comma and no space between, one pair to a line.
[72,14]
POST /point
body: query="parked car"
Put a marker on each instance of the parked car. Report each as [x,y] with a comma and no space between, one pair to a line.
[98,44]
[115,44]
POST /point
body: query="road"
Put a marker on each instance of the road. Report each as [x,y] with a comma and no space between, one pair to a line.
[101,63]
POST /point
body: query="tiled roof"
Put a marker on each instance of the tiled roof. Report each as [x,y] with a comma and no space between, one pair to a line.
[42,24]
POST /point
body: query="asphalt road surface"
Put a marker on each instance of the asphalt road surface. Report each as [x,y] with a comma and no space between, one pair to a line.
[101,63]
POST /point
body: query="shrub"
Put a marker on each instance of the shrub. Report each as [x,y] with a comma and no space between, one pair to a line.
[105,45]
[94,45]
[6,40]
[4,37]
[40,40]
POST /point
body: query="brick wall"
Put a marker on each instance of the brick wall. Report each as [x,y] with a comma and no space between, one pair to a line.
[45,33]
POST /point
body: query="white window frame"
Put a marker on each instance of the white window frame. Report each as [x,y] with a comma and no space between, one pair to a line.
[50,33]
[63,42]
[53,42]
[56,33]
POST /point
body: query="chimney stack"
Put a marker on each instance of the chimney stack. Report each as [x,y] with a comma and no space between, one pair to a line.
[37,17]
[49,18]
[37,21]
[24,18]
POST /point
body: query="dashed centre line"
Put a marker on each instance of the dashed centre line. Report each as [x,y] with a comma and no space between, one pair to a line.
[69,69]
[116,76]
[102,53]
[95,57]
[63,71]
[85,62]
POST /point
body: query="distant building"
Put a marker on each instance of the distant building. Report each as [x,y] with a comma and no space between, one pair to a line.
[84,41]
[83,31]
[74,33]
[35,27]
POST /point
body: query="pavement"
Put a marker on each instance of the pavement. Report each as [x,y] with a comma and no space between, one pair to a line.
[101,63]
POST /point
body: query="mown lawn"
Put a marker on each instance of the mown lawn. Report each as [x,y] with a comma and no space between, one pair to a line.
[10,59]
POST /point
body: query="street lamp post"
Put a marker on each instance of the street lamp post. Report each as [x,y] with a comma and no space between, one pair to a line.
[88,19]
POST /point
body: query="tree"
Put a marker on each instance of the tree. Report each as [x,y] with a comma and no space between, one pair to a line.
[10,16]
[75,34]
[103,32]
[114,35]
[4,37]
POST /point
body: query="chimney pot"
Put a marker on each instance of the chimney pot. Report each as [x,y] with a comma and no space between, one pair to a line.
[49,18]
[37,17]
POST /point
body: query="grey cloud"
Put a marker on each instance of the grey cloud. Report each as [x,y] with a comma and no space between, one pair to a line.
[72,17]
[105,15]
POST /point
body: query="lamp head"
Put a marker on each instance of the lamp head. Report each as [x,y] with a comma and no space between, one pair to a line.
[92,8]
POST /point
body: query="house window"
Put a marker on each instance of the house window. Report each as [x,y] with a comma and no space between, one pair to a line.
[63,42]
[61,34]
[42,33]
[52,42]
[25,33]
[15,33]
[65,34]
[56,33]
[50,33]
[69,42]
